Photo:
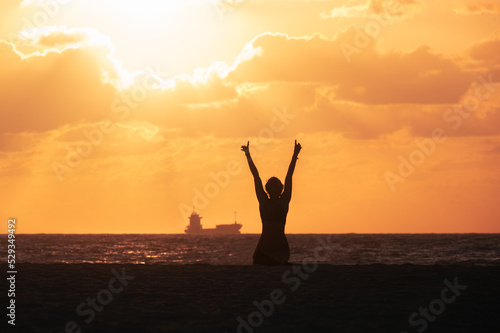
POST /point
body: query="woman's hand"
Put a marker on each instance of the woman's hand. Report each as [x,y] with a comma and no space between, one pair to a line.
[297,149]
[246,148]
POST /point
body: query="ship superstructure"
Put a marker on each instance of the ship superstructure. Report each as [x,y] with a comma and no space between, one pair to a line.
[196,228]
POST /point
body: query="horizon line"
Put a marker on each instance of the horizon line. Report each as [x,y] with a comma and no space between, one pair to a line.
[306,233]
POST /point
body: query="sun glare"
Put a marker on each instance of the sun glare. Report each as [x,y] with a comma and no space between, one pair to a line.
[174,34]
[146,9]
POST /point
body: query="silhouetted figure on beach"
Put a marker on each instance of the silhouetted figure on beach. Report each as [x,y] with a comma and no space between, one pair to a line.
[273,248]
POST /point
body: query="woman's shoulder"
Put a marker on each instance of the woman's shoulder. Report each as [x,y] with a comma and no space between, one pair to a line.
[279,202]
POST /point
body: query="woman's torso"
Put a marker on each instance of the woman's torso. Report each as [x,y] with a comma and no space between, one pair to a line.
[273,242]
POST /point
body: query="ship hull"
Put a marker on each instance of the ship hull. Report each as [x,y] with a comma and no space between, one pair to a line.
[221,229]
[196,228]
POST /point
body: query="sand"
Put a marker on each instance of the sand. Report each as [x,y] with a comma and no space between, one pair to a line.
[205,298]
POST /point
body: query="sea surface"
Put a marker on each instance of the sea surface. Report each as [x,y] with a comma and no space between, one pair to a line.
[343,249]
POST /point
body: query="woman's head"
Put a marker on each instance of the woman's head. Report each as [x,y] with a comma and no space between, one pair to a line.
[274,187]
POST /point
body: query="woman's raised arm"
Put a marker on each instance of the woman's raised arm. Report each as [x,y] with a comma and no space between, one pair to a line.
[259,189]
[287,192]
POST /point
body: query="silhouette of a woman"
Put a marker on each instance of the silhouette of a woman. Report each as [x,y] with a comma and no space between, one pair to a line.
[273,248]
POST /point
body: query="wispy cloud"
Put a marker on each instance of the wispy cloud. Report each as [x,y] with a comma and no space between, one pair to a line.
[395,8]
[478,7]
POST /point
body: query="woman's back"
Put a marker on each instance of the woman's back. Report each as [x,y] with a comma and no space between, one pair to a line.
[274,210]
[273,248]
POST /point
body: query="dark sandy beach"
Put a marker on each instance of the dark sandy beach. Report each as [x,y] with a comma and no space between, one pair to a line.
[205,298]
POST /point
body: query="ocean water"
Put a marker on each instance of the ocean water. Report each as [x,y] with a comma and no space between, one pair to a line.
[344,249]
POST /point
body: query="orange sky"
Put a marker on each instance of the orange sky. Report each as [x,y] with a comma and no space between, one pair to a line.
[117,116]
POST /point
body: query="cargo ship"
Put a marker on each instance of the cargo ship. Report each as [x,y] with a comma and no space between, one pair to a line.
[195,227]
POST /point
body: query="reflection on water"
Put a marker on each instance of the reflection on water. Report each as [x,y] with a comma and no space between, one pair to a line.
[348,249]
